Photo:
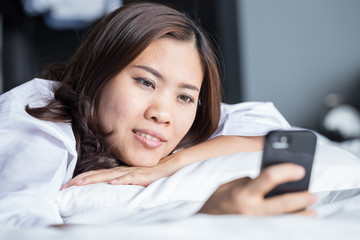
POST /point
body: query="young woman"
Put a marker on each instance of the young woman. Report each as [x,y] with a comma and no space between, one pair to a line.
[136,102]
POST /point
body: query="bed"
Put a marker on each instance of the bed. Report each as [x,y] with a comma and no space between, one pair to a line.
[165,209]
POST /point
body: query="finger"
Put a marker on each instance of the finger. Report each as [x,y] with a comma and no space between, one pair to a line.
[289,203]
[274,175]
[132,179]
[121,180]
[77,179]
[103,176]
[307,213]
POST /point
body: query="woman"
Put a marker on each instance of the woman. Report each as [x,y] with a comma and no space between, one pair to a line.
[143,85]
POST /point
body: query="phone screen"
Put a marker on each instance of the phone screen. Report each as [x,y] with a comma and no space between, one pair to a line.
[290,146]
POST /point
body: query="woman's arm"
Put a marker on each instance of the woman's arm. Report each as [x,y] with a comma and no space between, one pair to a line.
[35,158]
[33,168]
[218,146]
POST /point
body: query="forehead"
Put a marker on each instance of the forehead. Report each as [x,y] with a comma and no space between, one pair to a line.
[173,59]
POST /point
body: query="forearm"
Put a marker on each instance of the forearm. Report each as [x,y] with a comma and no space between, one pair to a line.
[218,146]
[222,145]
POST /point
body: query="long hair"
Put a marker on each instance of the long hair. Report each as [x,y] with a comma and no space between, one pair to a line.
[113,43]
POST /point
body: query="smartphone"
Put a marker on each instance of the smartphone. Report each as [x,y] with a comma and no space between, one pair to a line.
[297,147]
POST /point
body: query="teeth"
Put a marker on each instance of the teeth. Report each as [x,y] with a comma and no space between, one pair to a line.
[147,136]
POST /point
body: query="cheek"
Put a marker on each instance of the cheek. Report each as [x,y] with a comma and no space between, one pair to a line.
[184,122]
[114,112]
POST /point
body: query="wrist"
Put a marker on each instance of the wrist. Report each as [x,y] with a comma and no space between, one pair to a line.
[176,161]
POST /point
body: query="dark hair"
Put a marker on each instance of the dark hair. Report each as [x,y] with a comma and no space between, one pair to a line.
[113,43]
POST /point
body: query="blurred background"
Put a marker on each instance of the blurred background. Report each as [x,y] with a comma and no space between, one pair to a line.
[302,55]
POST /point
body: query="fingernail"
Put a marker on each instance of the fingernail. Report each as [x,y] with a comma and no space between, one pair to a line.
[79,182]
[301,171]
[114,181]
[63,187]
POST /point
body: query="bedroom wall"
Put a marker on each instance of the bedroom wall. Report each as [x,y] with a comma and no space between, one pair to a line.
[293,53]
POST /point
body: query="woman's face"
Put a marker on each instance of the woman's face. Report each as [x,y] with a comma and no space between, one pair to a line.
[152,103]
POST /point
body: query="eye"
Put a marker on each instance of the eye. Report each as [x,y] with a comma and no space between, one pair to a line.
[186,99]
[145,82]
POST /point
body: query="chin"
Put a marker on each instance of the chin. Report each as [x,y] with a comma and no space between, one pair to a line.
[146,163]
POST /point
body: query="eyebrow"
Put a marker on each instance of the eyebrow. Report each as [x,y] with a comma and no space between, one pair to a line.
[189,86]
[150,70]
[159,76]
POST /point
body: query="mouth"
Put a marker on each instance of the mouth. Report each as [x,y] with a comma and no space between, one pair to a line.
[150,139]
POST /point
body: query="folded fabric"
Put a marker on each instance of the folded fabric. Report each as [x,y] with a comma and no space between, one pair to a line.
[187,189]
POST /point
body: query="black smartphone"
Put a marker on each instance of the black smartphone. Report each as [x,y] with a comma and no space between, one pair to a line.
[295,146]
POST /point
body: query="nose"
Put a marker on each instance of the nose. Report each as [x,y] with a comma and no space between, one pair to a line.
[159,111]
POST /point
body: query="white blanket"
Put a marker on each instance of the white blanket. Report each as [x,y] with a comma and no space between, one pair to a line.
[182,194]
[165,209]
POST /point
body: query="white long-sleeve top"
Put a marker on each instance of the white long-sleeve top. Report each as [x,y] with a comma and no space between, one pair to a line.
[37,157]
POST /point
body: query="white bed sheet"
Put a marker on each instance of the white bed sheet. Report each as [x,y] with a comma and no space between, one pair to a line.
[342,224]
[334,169]
[165,209]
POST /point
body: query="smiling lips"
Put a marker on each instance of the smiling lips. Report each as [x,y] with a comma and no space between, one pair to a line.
[149,139]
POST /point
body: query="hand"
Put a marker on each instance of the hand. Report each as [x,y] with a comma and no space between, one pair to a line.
[128,175]
[246,196]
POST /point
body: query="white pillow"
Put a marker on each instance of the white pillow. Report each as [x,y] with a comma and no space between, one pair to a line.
[334,169]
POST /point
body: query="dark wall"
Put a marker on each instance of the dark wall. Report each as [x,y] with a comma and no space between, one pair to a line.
[29,45]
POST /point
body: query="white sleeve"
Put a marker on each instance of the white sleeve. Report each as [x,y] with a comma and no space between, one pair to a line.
[33,165]
[250,119]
